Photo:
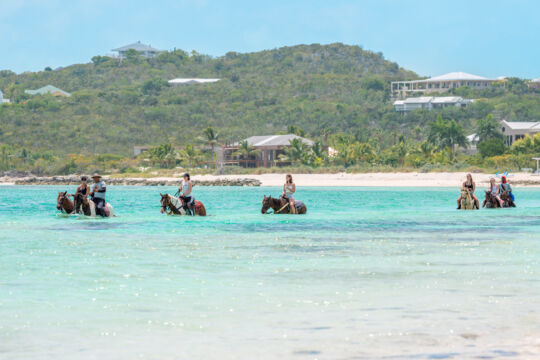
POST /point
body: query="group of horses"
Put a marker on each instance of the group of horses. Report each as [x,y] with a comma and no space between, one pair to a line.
[80,205]
[490,201]
[172,205]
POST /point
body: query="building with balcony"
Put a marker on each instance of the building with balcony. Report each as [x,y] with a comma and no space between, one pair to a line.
[515,130]
[440,84]
[430,103]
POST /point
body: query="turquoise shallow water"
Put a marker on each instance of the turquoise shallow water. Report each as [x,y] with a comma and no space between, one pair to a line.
[366,274]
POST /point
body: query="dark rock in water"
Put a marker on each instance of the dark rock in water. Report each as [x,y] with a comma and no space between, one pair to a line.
[75,180]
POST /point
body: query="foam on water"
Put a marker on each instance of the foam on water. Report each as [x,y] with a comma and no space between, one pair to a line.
[366,274]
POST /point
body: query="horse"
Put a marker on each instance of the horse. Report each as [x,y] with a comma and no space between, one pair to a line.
[281,206]
[87,207]
[175,206]
[490,201]
[467,201]
[508,202]
[63,203]
[83,205]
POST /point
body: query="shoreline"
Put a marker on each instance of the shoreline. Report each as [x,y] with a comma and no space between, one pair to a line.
[406,179]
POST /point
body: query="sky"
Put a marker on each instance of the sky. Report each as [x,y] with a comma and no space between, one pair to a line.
[489,38]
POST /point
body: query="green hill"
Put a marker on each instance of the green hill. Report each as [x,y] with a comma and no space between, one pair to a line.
[116,105]
[337,94]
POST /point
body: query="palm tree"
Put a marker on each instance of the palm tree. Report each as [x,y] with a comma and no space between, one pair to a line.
[190,154]
[488,128]
[245,150]
[297,152]
[447,134]
[210,136]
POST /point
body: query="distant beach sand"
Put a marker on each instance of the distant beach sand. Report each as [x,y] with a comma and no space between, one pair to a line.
[410,179]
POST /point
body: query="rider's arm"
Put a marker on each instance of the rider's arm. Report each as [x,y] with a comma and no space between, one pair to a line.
[189,188]
[473,186]
[293,190]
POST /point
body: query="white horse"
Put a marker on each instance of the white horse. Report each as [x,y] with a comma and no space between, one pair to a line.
[90,208]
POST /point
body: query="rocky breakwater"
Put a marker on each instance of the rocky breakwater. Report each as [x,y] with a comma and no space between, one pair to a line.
[75,180]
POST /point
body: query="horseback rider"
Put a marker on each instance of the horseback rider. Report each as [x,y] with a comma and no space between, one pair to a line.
[185,194]
[469,186]
[289,188]
[495,191]
[83,188]
[505,187]
[98,194]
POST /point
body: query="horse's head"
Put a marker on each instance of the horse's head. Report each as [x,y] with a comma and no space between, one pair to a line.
[164,202]
[266,204]
[60,199]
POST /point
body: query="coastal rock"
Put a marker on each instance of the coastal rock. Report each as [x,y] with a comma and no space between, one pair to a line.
[75,180]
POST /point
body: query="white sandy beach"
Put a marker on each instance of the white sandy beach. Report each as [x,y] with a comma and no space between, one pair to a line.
[409,179]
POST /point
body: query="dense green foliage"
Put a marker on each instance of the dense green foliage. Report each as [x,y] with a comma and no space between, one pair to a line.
[335,94]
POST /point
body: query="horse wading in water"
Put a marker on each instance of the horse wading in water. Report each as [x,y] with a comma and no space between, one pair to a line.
[281,206]
[175,206]
[466,201]
[63,203]
[87,207]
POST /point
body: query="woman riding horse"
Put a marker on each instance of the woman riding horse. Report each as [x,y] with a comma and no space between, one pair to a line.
[280,206]
[469,186]
[289,188]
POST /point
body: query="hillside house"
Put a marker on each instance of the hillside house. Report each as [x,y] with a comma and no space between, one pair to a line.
[442,83]
[430,103]
[269,148]
[186,81]
[2,100]
[48,89]
[515,130]
[144,50]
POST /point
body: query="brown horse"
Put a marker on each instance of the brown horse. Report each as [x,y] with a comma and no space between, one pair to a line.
[82,205]
[508,202]
[280,206]
[63,203]
[175,206]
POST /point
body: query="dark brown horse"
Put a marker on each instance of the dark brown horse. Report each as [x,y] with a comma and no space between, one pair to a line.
[63,203]
[175,206]
[491,201]
[82,205]
[508,202]
[280,206]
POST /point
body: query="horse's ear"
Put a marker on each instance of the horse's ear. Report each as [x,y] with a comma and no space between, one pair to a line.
[65,192]
[264,197]
[160,194]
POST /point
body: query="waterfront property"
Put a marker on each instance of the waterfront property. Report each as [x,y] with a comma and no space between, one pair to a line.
[48,89]
[266,150]
[430,102]
[515,130]
[144,50]
[440,84]
[187,81]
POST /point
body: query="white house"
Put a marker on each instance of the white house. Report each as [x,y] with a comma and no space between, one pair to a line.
[143,50]
[430,102]
[186,81]
[2,100]
[473,142]
[515,130]
[439,84]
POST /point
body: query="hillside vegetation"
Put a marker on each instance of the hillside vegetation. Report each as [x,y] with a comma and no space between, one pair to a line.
[335,93]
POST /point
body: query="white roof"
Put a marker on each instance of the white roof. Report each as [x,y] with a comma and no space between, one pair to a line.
[453,76]
[275,140]
[536,80]
[447,99]
[522,125]
[418,100]
[472,137]
[179,81]
[432,99]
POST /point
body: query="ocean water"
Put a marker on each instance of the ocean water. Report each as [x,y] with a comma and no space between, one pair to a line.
[368,273]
